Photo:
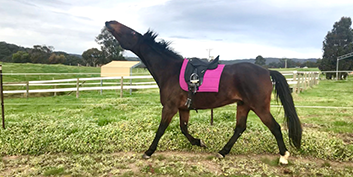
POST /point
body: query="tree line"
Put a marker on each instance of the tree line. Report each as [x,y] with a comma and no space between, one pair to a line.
[286,63]
[110,50]
[38,54]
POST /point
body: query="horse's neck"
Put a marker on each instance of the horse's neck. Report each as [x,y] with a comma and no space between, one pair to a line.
[160,67]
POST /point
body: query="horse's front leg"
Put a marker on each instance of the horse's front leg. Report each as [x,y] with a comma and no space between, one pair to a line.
[167,115]
[184,120]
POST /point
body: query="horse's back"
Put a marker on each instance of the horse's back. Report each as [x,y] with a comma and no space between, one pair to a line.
[251,81]
[245,67]
[247,72]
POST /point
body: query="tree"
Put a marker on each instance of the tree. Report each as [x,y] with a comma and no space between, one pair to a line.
[309,64]
[20,57]
[273,65]
[92,56]
[260,60]
[41,54]
[338,41]
[56,59]
[6,51]
[110,47]
[74,60]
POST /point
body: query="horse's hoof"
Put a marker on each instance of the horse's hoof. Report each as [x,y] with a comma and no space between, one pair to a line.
[283,160]
[144,156]
[220,156]
[202,144]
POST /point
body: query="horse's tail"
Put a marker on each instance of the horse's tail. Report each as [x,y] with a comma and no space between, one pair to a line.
[284,93]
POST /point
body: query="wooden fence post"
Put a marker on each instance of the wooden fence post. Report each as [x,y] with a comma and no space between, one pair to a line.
[121,86]
[211,116]
[2,99]
[27,89]
[77,87]
[317,74]
[294,79]
[298,83]
[312,79]
[101,86]
[304,81]
[54,87]
[130,85]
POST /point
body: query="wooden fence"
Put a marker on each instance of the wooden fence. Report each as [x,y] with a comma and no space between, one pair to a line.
[298,81]
[81,84]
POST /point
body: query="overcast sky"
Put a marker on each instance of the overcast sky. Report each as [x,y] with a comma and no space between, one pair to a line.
[233,29]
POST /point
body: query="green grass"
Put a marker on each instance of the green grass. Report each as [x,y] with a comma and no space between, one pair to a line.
[104,135]
[14,68]
[106,119]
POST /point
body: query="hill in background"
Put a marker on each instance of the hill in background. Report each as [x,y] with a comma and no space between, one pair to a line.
[269,60]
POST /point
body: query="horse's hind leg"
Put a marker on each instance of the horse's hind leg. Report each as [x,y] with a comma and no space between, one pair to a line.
[184,119]
[267,118]
[242,115]
[167,115]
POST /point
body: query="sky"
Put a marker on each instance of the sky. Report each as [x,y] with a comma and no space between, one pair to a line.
[237,29]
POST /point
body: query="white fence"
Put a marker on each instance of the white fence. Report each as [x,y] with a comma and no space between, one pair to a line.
[298,81]
[80,85]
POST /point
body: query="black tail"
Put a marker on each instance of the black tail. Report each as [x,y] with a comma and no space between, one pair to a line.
[284,93]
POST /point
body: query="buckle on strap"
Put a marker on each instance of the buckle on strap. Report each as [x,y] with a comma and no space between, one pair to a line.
[194,78]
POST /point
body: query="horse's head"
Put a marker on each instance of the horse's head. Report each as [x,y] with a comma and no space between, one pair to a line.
[126,36]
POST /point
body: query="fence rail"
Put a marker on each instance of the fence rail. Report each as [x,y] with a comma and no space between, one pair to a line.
[298,81]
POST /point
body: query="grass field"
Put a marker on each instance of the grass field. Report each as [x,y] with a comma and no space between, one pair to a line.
[104,135]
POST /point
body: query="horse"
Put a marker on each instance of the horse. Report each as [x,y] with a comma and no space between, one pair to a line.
[246,84]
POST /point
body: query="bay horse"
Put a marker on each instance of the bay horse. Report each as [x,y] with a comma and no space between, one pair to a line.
[246,84]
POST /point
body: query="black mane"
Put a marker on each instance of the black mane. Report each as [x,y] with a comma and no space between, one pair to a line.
[162,45]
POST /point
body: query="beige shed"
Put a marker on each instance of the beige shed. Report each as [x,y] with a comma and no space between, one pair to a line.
[118,68]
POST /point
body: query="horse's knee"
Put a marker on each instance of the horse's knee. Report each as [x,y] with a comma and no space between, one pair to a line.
[184,128]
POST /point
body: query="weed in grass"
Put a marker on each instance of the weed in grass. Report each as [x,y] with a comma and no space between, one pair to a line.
[54,171]
[127,174]
[161,157]
[326,164]
[340,123]
[104,121]
[211,157]
[273,162]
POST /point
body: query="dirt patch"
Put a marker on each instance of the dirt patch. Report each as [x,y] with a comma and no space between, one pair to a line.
[347,138]
[171,163]
[315,126]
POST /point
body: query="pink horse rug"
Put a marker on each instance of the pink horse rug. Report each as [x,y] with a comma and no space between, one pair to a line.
[210,81]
